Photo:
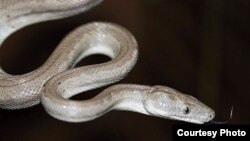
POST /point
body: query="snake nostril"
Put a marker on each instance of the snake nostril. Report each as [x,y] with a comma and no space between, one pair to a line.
[211,116]
[186,110]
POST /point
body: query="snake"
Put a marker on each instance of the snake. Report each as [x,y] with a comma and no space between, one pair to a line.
[57,80]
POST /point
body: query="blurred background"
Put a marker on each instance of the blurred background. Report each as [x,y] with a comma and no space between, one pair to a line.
[199,47]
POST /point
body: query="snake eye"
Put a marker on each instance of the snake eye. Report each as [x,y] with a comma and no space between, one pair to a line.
[186,110]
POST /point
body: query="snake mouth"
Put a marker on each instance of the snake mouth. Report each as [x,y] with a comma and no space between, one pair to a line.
[185,119]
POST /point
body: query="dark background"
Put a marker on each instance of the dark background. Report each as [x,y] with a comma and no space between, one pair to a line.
[199,47]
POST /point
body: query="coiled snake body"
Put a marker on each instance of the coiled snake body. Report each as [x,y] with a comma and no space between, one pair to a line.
[55,81]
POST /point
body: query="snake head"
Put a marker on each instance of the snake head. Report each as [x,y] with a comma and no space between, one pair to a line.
[169,103]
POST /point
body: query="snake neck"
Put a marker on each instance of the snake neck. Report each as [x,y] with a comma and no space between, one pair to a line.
[118,97]
[127,97]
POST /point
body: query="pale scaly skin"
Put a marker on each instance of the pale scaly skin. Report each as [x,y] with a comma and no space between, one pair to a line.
[23,91]
[95,38]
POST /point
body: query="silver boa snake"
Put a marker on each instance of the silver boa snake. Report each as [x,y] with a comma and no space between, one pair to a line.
[56,80]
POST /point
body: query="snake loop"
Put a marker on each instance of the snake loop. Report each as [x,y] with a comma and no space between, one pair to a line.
[55,81]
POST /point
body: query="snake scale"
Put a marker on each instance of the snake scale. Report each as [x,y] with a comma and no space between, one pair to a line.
[56,80]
